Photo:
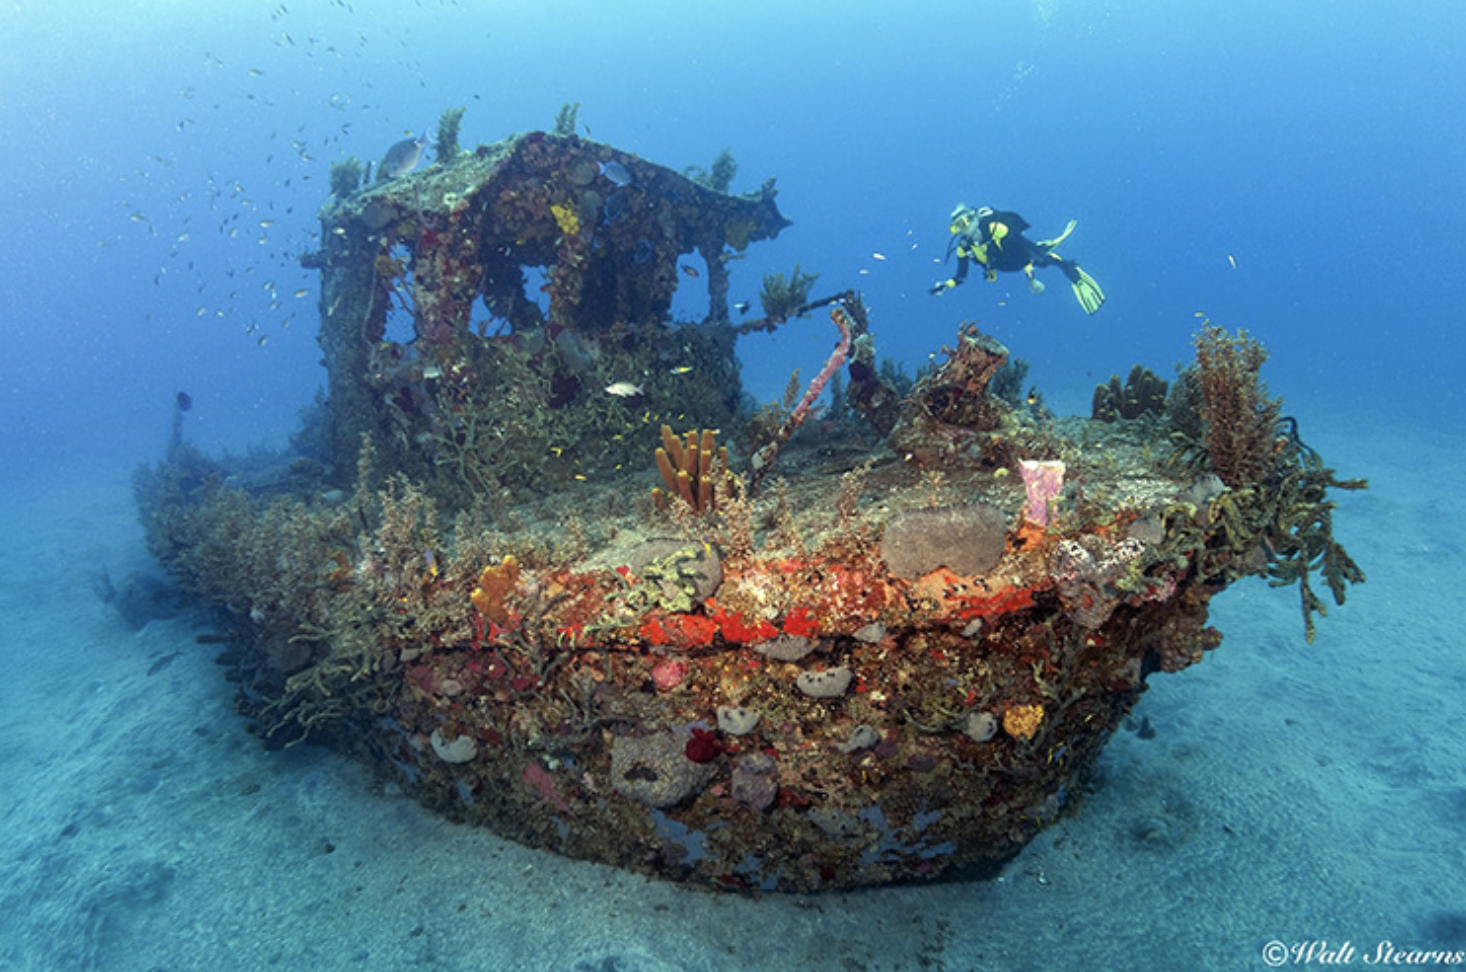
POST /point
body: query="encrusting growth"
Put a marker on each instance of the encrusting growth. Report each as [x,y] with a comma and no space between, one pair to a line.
[495,585]
[764,457]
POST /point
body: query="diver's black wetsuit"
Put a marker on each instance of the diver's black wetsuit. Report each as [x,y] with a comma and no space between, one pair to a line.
[1014,254]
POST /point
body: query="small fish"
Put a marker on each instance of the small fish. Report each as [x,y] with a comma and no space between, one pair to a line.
[681,369]
[162,663]
[878,256]
[616,172]
[402,157]
[302,292]
[742,306]
[615,208]
[690,271]
[1033,395]
[623,389]
[1232,260]
[266,223]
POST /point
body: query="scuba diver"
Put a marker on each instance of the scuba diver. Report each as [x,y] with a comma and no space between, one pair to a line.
[996,240]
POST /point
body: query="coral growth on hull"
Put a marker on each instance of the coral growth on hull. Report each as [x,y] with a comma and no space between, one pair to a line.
[884,651]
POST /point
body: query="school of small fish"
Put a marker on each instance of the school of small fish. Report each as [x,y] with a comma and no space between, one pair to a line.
[175,189]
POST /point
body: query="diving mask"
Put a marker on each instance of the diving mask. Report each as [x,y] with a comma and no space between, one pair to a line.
[961,218]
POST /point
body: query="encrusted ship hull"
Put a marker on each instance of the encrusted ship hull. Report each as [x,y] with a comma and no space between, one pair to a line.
[891,648]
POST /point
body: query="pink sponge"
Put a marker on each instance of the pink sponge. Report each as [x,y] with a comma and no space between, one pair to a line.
[1044,479]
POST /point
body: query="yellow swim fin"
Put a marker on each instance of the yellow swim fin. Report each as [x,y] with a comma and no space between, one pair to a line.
[1050,244]
[1087,291]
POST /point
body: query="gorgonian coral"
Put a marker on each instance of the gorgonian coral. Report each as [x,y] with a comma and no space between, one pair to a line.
[1235,406]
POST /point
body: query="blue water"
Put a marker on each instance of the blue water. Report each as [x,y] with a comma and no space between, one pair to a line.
[1294,169]
[1321,152]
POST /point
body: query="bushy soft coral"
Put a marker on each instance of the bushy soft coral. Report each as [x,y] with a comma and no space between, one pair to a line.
[1239,414]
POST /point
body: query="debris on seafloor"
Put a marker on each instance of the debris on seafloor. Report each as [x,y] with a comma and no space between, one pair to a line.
[888,647]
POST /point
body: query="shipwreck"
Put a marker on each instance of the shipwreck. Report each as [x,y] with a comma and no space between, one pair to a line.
[878,631]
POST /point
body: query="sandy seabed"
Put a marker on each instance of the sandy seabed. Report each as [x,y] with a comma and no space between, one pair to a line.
[1288,793]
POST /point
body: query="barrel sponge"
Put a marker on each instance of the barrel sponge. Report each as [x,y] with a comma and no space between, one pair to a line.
[967,540]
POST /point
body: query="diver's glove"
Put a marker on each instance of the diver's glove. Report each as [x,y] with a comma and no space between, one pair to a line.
[1087,292]
[941,287]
